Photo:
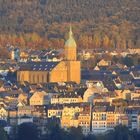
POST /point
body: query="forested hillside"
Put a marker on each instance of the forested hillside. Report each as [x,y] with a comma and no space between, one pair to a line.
[96,23]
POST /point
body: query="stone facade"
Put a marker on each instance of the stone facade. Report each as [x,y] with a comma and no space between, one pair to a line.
[64,71]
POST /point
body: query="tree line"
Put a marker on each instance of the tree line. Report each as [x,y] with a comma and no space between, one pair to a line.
[34,23]
[29,131]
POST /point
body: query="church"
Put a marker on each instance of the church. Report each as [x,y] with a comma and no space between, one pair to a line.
[64,71]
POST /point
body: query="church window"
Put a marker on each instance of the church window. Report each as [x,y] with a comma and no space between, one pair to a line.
[33,78]
[42,78]
[29,77]
[22,77]
[38,78]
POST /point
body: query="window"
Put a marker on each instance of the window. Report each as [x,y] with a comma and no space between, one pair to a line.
[29,77]
[22,77]
[38,78]
[33,78]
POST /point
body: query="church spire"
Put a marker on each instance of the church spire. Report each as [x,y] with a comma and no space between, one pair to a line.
[70,47]
[70,32]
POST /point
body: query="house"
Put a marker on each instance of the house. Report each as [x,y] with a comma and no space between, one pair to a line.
[25,111]
[23,98]
[98,98]
[84,120]
[21,103]
[104,63]
[134,95]
[15,54]
[70,115]
[118,83]
[93,87]
[125,78]
[34,56]
[136,83]
[97,68]
[133,115]
[12,116]
[3,103]
[108,83]
[67,98]
[39,98]
[105,118]
[86,55]
[24,56]
[40,111]
[123,94]
[55,111]
[135,74]
[3,113]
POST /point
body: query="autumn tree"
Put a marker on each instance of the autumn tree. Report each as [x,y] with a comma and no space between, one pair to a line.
[106,41]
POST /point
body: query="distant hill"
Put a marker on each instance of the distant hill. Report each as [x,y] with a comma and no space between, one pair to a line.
[116,19]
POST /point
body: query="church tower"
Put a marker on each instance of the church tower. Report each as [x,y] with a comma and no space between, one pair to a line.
[70,48]
[72,64]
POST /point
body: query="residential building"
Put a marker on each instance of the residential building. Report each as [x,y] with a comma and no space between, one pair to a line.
[40,98]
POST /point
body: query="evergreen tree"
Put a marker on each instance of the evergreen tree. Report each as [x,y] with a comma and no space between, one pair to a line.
[27,131]
[3,135]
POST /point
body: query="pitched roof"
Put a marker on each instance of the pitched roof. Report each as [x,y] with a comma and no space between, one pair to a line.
[125,77]
[38,66]
[136,82]
[136,73]
[55,107]
[109,83]
[69,95]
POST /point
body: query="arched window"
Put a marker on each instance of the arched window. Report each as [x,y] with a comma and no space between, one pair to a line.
[48,77]
[38,79]
[43,79]
[33,77]
[29,77]
[22,77]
